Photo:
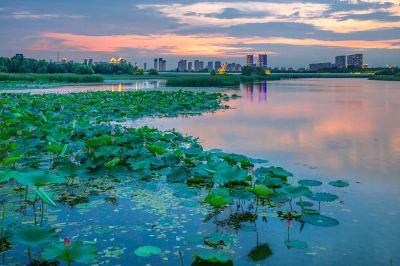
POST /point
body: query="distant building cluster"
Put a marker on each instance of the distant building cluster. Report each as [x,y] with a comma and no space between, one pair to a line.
[160,64]
[262,60]
[199,66]
[355,60]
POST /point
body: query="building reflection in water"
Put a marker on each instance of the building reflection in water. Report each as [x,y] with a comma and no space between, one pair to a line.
[262,91]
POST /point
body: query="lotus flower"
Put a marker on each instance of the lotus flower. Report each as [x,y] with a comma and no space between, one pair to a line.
[67,242]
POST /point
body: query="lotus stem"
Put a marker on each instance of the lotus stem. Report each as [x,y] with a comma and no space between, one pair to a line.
[2,227]
[41,213]
[68,258]
[180,255]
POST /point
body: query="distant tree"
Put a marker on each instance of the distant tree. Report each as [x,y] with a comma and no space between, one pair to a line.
[153,72]
[213,73]
[253,71]
[84,69]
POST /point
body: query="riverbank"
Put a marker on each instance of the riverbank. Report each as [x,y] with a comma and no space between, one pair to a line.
[385,77]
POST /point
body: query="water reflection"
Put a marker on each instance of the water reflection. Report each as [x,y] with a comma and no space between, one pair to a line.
[262,91]
[114,86]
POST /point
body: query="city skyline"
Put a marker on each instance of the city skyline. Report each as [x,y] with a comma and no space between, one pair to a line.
[294,33]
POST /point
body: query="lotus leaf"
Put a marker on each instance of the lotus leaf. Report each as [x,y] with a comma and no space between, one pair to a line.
[310,183]
[339,183]
[33,236]
[319,220]
[297,244]
[324,196]
[147,251]
[78,252]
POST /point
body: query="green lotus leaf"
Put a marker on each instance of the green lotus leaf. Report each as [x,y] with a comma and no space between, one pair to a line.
[324,196]
[297,244]
[295,191]
[33,236]
[43,196]
[262,191]
[230,174]
[319,220]
[112,163]
[78,251]
[178,174]
[304,203]
[147,251]
[339,183]
[107,151]
[218,197]
[278,172]
[310,183]
[35,177]
[155,149]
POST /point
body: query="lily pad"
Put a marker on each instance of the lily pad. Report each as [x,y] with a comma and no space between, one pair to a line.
[297,244]
[262,191]
[33,236]
[77,252]
[218,197]
[310,183]
[295,191]
[324,196]
[319,220]
[304,203]
[339,183]
[147,251]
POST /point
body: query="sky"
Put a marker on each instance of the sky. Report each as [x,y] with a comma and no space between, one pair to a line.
[293,33]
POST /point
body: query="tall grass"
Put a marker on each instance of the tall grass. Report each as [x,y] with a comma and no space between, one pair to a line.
[68,78]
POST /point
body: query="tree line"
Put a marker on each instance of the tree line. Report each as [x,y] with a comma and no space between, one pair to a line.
[29,65]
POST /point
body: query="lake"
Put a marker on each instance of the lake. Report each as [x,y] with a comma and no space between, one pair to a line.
[322,129]
[330,128]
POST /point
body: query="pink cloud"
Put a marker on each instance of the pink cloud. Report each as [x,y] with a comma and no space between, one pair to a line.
[193,45]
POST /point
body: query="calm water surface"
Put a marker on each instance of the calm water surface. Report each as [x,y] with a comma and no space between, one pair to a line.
[316,128]
[330,128]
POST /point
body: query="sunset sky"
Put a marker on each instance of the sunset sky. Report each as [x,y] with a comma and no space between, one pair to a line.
[295,33]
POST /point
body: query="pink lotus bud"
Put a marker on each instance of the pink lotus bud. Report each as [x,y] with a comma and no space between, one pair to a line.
[250,169]
[289,223]
[67,242]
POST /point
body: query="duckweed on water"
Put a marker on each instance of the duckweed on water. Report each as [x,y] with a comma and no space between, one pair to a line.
[68,150]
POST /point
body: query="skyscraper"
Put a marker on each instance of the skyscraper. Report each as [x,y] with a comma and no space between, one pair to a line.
[340,61]
[155,63]
[355,60]
[210,66]
[164,65]
[249,60]
[182,65]
[263,60]
[160,64]
[145,66]
[196,65]
[217,65]
[190,66]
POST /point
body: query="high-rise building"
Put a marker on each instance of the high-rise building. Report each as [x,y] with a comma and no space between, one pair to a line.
[145,66]
[155,63]
[64,60]
[90,61]
[190,66]
[340,61]
[160,64]
[164,65]
[355,60]
[249,60]
[197,65]
[210,66]
[85,61]
[182,65]
[263,60]
[19,56]
[217,65]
